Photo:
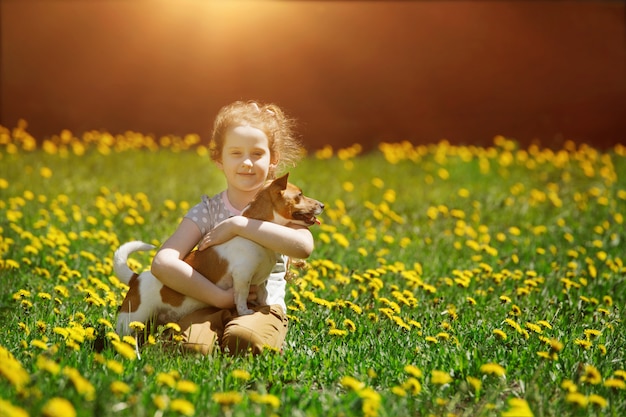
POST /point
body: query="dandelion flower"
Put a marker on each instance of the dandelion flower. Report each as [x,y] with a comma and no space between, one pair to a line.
[186,386]
[569,385]
[268,399]
[577,398]
[518,408]
[227,398]
[591,375]
[440,377]
[124,349]
[241,374]
[615,383]
[337,332]
[597,400]
[58,407]
[352,383]
[476,383]
[500,334]
[492,368]
[183,407]
[119,388]
[413,370]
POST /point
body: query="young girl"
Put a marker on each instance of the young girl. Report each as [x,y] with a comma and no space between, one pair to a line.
[250,142]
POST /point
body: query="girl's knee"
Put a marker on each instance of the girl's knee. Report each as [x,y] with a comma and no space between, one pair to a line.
[240,340]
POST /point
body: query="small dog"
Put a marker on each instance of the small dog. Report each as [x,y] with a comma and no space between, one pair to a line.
[237,263]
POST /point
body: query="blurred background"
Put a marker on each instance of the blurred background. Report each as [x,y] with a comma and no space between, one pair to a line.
[350,72]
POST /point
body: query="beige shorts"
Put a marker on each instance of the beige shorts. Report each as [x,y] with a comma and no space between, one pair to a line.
[203,329]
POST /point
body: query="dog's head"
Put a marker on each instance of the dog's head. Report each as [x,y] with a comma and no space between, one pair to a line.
[288,203]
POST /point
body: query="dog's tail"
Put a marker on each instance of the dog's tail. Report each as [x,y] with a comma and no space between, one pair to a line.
[120,259]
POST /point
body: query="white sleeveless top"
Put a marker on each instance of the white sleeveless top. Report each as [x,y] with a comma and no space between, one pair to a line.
[210,212]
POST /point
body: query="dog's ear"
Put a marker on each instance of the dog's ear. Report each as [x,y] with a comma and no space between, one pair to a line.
[282,181]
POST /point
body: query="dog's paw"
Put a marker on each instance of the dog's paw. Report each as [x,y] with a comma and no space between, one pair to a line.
[244,311]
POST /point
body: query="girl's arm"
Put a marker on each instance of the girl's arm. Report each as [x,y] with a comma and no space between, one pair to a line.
[172,271]
[294,240]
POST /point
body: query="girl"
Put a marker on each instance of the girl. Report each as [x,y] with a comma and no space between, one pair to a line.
[250,142]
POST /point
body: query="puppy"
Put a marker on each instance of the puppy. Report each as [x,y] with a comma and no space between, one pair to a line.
[237,263]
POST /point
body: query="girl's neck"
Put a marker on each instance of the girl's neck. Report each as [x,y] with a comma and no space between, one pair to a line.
[240,199]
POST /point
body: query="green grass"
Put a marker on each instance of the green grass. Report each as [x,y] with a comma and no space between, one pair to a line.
[422,253]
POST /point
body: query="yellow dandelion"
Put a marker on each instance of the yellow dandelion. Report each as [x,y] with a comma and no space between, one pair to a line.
[137,326]
[518,407]
[413,371]
[591,375]
[161,401]
[82,385]
[577,398]
[186,386]
[592,333]
[115,366]
[500,334]
[11,410]
[124,349]
[58,407]
[440,377]
[227,398]
[164,378]
[585,344]
[412,385]
[337,332]
[268,399]
[615,383]
[45,172]
[183,407]
[349,324]
[620,373]
[119,388]
[597,400]
[350,382]
[399,391]
[240,374]
[476,383]
[493,369]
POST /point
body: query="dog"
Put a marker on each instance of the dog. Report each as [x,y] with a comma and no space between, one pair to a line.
[237,263]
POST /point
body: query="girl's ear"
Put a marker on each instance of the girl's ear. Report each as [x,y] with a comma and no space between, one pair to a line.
[274,161]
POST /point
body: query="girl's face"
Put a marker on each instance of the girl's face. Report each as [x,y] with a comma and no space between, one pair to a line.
[246,159]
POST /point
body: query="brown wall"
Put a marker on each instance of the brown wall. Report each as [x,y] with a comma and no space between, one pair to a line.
[349,71]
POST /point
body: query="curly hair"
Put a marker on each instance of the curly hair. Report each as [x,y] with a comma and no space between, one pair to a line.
[285,148]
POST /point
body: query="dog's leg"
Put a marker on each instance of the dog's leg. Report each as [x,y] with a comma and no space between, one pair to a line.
[241,288]
[261,294]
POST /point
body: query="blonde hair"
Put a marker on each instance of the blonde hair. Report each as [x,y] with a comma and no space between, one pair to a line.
[285,148]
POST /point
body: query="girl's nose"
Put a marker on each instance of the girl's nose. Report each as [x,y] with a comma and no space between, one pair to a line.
[247,162]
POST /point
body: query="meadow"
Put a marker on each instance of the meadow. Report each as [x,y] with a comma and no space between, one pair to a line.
[446,281]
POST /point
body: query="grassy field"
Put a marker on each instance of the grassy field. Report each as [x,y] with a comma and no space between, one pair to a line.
[446,281]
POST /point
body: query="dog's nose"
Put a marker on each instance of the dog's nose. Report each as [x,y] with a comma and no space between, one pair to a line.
[321,205]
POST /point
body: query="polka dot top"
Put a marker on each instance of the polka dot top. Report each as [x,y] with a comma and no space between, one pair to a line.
[210,212]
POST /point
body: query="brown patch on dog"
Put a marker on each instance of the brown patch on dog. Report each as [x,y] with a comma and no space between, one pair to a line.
[171,297]
[133,297]
[208,263]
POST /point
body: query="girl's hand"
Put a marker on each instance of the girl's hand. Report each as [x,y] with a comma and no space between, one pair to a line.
[223,232]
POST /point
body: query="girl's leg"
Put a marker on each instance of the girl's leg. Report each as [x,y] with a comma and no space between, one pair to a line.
[203,328]
[266,327]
